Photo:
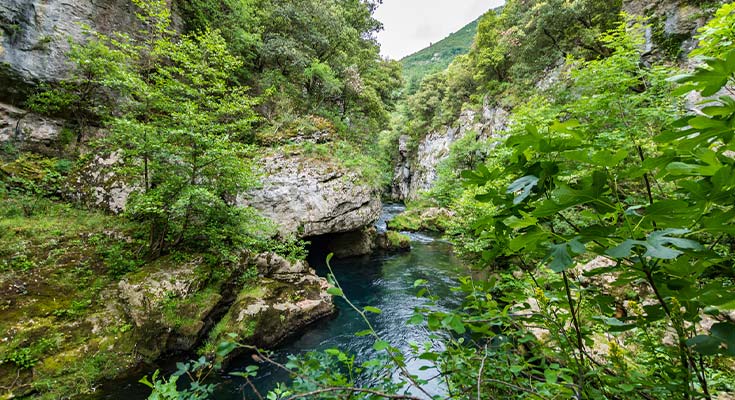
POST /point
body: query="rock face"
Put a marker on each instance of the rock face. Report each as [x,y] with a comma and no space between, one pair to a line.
[34,37]
[168,305]
[28,131]
[97,185]
[287,297]
[175,306]
[675,23]
[417,171]
[308,197]
[351,244]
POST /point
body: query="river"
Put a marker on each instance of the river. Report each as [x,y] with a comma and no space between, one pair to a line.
[385,281]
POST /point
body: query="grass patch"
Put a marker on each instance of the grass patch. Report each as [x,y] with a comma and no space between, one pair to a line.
[372,170]
[421,219]
[398,240]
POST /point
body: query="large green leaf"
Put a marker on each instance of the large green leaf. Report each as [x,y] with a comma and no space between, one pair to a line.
[515,222]
[522,188]
[561,254]
[712,77]
[602,158]
[657,245]
[721,340]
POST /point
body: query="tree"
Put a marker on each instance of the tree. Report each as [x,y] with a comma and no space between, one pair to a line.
[179,129]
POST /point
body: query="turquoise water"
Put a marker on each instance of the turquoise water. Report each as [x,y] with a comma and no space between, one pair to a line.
[385,281]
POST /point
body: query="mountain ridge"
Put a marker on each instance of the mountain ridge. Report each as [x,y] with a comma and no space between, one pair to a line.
[437,56]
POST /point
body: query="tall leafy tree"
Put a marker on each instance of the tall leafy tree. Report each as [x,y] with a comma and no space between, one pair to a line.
[179,129]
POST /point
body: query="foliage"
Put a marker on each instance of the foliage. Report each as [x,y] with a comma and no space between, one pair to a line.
[716,38]
[27,357]
[538,34]
[437,56]
[310,57]
[465,153]
[167,389]
[643,195]
[420,217]
[34,176]
[180,124]
[599,169]
[398,240]
[513,47]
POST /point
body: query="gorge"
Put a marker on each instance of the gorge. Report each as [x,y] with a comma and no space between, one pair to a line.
[538,206]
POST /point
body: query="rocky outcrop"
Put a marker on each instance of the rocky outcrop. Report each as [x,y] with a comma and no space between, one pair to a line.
[27,131]
[173,307]
[97,184]
[402,172]
[361,242]
[416,170]
[35,35]
[393,242]
[307,197]
[673,24]
[435,219]
[170,305]
[286,298]
[350,244]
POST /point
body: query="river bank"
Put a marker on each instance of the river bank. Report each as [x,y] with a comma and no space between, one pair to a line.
[382,280]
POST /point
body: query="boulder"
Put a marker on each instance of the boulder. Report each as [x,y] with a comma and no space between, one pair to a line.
[286,298]
[168,304]
[307,197]
[393,241]
[434,219]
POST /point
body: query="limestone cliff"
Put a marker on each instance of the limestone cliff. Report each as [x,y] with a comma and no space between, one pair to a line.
[416,170]
[308,197]
[35,34]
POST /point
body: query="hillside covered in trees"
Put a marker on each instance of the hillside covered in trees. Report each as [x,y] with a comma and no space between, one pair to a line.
[437,56]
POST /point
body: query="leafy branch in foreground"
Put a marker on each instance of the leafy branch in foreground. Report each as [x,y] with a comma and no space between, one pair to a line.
[652,206]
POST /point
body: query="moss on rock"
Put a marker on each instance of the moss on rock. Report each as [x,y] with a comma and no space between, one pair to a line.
[421,219]
[285,301]
[398,241]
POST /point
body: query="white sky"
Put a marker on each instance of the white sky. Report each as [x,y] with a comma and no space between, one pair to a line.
[411,25]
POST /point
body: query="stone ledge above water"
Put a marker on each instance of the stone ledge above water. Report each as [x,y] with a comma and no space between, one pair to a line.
[307,197]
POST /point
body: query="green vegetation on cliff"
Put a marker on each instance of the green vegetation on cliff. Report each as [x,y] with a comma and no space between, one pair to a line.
[599,227]
[170,125]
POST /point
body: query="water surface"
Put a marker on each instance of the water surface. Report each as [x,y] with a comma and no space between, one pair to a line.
[385,281]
